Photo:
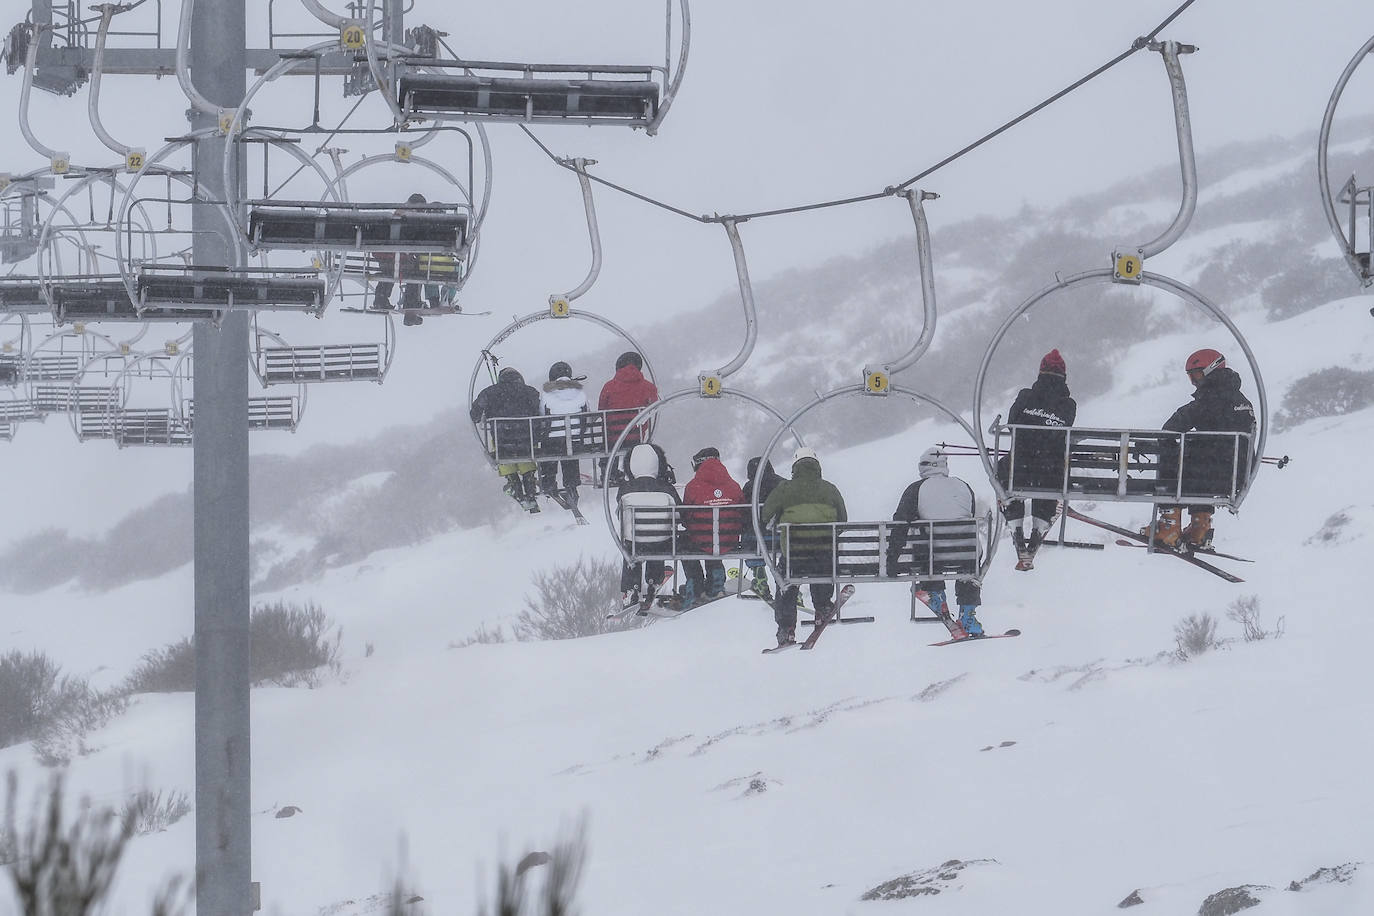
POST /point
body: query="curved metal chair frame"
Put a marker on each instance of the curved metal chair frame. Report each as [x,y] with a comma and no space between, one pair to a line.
[276,362]
[1350,194]
[679,546]
[543,93]
[1100,461]
[270,412]
[589,429]
[863,551]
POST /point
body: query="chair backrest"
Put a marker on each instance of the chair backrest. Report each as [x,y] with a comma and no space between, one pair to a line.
[648,518]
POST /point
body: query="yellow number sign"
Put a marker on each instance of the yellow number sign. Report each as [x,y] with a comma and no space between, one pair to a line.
[1129,267]
[711,386]
[133,160]
[876,382]
[352,36]
[559,307]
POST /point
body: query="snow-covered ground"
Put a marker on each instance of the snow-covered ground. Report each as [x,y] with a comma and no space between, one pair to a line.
[1079,760]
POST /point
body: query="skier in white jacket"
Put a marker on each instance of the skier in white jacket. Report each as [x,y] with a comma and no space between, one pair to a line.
[561,398]
[938,496]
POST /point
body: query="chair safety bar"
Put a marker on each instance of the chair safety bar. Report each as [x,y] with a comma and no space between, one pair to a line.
[209,289]
[687,532]
[445,269]
[1356,197]
[85,399]
[533,93]
[879,551]
[322,363]
[150,426]
[557,437]
[1124,465]
[392,227]
[275,412]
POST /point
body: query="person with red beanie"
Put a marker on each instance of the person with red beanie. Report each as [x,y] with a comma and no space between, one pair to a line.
[624,395]
[1039,455]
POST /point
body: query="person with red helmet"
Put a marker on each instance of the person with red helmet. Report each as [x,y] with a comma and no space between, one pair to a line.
[623,396]
[711,485]
[1039,455]
[1212,465]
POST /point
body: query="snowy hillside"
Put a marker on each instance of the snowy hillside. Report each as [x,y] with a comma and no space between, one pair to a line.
[1065,769]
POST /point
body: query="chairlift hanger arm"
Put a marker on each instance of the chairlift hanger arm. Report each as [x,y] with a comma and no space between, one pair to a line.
[915,199]
[1170,51]
[594,234]
[746,295]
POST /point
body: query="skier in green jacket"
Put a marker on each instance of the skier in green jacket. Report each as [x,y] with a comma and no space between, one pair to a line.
[805,499]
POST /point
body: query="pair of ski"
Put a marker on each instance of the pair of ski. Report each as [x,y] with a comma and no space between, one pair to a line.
[821,622]
[1144,541]
[565,503]
[957,633]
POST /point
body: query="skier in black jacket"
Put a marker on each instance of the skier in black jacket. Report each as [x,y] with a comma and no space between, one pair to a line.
[1039,455]
[513,443]
[765,480]
[1212,465]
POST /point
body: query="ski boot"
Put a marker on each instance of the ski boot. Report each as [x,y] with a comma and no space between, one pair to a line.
[629,599]
[760,588]
[715,588]
[824,611]
[569,495]
[1023,552]
[1168,528]
[689,596]
[530,486]
[1198,534]
[937,604]
[786,637]
[512,487]
[1037,537]
[968,621]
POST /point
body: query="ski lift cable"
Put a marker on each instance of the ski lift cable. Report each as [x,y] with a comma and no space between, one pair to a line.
[1138,44]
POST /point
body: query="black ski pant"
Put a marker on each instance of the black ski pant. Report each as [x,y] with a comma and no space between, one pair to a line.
[965,592]
[631,575]
[1043,509]
[548,474]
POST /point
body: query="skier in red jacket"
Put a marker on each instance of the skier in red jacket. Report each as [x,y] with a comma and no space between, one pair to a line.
[711,485]
[624,395]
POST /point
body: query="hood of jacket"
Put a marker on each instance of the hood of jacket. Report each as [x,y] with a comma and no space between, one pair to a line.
[1047,383]
[510,377]
[562,383]
[644,461]
[806,469]
[713,472]
[1223,379]
[630,373]
[933,464]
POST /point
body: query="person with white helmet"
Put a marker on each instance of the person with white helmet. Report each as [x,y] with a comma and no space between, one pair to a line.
[1212,465]
[805,499]
[651,529]
[938,496]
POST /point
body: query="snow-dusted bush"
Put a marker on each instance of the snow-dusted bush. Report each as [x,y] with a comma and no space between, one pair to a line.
[571,601]
[153,812]
[56,712]
[1329,393]
[1195,634]
[1245,611]
[480,637]
[66,868]
[288,645]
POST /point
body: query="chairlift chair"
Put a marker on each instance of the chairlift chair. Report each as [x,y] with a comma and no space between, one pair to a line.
[1352,194]
[1123,465]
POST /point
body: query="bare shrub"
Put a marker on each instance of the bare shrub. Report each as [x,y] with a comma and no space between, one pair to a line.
[288,647]
[27,681]
[290,642]
[557,896]
[1331,392]
[480,637]
[166,670]
[1245,611]
[66,869]
[154,812]
[571,601]
[1195,634]
[37,703]
[74,710]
